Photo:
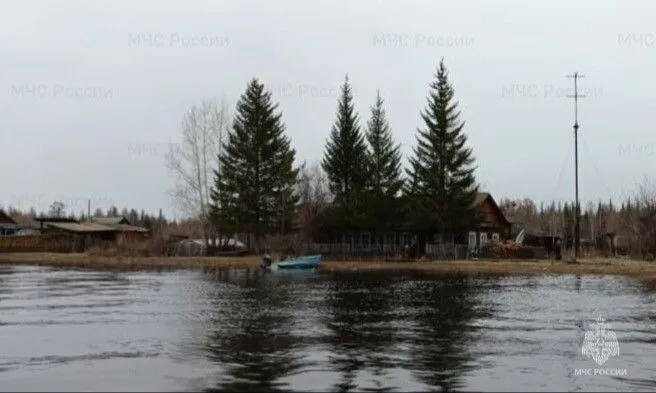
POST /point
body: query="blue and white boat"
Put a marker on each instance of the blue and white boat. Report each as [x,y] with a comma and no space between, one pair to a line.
[301,263]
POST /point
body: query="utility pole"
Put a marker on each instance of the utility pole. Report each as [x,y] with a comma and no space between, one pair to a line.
[577,208]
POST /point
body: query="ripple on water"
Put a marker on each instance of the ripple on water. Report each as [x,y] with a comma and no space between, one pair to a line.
[230,330]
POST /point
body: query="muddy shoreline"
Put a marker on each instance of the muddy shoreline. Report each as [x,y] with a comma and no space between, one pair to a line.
[622,267]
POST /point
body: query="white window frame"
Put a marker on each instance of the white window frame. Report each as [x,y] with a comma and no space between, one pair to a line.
[483,237]
[472,236]
[495,236]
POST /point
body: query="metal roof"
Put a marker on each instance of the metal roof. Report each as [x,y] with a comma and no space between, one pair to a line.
[95,227]
[81,227]
[27,222]
[54,219]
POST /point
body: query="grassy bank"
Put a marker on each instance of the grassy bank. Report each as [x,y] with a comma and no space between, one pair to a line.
[639,269]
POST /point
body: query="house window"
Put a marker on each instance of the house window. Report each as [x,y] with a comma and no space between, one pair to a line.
[407,238]
[483,238]
[472,239]
[349,238]
[495,236]
[389,238]
[365,239]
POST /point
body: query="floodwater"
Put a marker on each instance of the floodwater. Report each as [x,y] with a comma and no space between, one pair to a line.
[75,330]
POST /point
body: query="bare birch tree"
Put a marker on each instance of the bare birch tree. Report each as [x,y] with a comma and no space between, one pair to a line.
[314,193]
[192,161]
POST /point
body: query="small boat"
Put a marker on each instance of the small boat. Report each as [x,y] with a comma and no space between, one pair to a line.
[300,263]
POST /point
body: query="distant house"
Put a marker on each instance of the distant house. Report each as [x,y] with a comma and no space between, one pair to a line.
[18,226]
[7,224]
[197,247]
[106,229]
[549,241]
[124,232]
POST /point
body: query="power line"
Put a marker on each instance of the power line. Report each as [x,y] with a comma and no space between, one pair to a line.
[577,209]
[558,183]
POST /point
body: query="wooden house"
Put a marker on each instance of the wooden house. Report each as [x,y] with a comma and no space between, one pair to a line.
[124,232]
[492,225]
[7,224]
[106,230]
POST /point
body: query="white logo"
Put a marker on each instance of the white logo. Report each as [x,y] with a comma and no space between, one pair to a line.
[600,342]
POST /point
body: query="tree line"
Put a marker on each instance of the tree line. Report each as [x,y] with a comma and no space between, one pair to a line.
[633,220]
[255,180]
[58,209]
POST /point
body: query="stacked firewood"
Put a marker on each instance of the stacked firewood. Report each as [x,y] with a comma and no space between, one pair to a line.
[508,249]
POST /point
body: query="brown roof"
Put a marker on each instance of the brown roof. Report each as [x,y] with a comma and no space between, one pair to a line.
[482,197]
[4,217]
[27,222]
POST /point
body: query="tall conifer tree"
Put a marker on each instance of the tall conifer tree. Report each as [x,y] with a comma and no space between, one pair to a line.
[443,167]
[346,161]
[254,184]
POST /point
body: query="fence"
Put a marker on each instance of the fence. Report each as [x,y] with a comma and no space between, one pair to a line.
[36,243]
[64,243]
[388,252]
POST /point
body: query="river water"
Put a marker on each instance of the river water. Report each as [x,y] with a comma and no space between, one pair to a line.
[238,330]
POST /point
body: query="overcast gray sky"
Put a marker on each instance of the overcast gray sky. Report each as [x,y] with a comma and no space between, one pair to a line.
[90,105]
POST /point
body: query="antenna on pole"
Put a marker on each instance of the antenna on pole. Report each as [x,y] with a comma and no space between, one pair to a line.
[577,208]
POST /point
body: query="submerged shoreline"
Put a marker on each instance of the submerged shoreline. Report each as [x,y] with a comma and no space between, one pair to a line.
[597,266]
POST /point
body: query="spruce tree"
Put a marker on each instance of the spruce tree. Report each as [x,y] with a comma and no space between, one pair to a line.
[345,160]
[384,168]
[443,166]
[254,184]
[384,154]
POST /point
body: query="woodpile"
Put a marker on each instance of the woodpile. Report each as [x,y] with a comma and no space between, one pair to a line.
[508,249]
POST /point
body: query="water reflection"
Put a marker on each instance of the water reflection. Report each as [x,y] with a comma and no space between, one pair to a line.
[361,317]
[440,356]
[252,337]
[384,323]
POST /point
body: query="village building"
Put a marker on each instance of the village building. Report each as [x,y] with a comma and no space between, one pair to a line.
[491,226]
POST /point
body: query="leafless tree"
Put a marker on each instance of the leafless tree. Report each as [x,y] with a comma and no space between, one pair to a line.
[112,211]
[57,209]
[644,225]
[314,195]
[192,161]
